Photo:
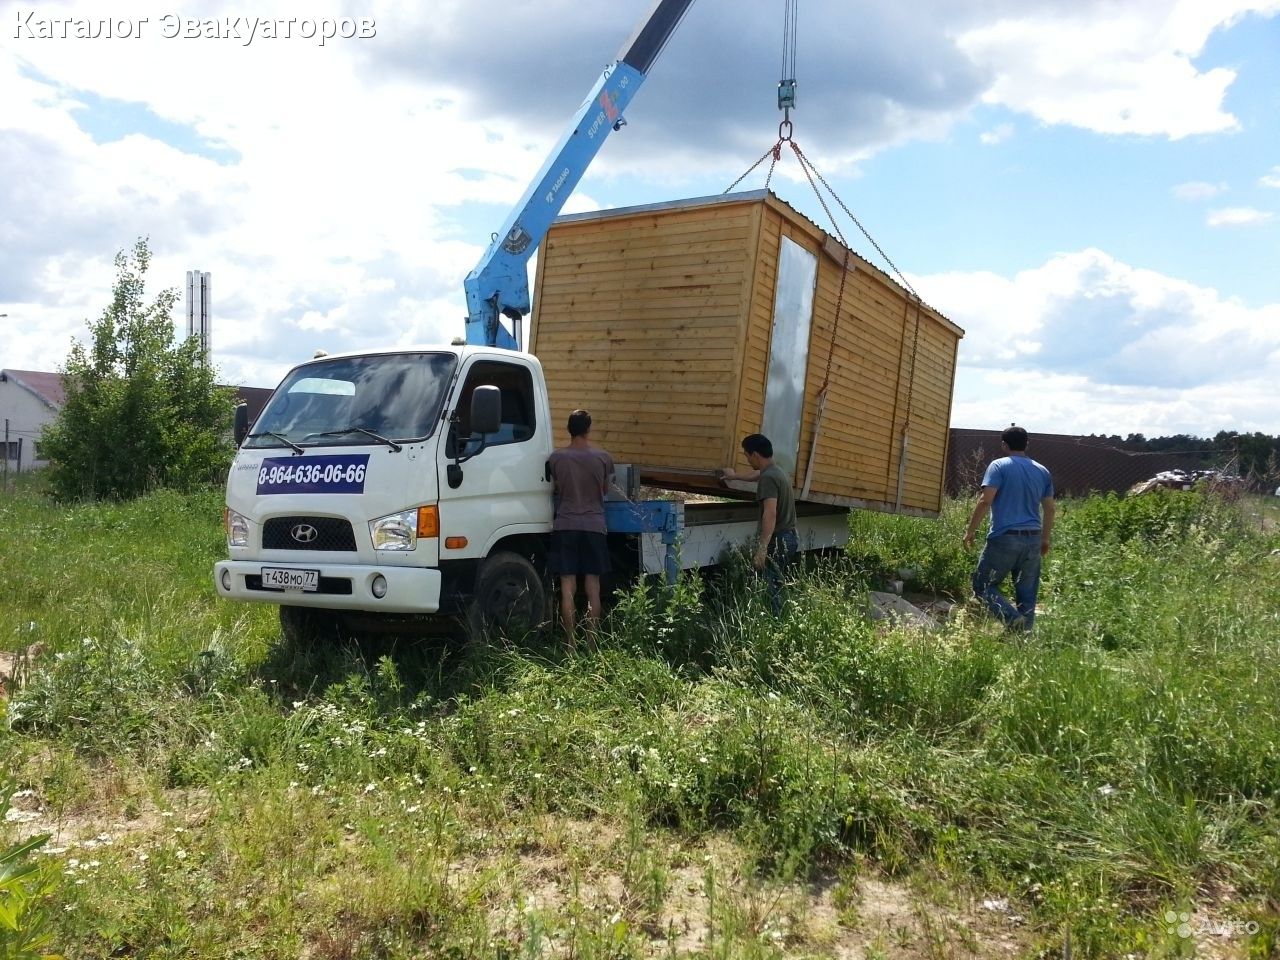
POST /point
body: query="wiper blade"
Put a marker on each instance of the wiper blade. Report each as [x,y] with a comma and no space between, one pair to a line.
[396,448]
[278,436]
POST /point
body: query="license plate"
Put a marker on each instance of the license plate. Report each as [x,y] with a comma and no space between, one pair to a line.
[284,578]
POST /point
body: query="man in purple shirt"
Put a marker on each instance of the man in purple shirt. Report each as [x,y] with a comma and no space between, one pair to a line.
[579,546]
[1015,489]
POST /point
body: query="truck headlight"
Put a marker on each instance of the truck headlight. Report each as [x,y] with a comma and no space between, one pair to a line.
[400,531]
[396,532]
[237,527]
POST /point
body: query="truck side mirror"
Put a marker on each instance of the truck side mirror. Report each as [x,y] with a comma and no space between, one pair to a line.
[486,410]
[242,423]
[486,418]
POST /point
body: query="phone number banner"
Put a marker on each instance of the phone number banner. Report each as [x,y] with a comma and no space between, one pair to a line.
[336,474]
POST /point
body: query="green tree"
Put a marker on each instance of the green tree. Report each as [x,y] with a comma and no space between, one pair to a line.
[142,411]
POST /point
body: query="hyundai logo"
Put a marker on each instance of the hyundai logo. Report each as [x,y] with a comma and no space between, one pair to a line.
[304,533]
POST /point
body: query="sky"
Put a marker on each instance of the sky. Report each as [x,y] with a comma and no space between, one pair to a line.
[1090,188]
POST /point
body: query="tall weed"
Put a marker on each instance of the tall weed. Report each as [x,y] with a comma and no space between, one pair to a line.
[929,550]
[27,889]
[1165,517]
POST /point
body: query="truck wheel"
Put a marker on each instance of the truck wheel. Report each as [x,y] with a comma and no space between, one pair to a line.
[510,598]
[306,626]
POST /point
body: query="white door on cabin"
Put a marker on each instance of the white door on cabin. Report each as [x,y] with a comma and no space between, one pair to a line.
[789,353]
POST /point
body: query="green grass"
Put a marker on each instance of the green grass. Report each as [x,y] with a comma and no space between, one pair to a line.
[214,792]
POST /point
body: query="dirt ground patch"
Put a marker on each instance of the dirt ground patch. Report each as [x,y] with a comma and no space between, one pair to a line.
[100,822]
[687,897]
[15,666]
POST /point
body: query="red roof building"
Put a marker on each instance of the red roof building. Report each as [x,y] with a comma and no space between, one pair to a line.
[31,399]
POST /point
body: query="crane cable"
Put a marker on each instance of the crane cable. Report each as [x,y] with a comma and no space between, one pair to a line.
[787,102]
[787,78]
[786,94]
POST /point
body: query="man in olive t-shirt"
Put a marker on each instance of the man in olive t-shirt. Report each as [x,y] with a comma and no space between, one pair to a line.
[776,540]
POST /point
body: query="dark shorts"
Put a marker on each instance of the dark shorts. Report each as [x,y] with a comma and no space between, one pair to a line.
[575,552]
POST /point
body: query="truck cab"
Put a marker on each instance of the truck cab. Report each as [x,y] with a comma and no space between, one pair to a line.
[363,486]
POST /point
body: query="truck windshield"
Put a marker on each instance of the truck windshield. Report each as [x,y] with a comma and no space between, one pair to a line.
[350,401]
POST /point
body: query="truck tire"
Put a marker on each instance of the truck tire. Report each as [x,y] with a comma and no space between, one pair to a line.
[306,626]
[510,599]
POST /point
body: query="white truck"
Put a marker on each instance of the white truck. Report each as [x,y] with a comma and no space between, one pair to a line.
[394,484]
[402,485]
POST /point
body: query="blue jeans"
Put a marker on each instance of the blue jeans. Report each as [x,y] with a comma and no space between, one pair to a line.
[782,548]
[1016,554]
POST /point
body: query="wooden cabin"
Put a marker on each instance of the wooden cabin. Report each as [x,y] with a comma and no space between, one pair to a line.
[684,326]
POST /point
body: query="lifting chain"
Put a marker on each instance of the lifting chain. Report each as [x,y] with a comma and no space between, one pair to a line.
[804,161]
[775,151]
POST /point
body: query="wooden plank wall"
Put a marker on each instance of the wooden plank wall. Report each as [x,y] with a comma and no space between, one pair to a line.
[639,319]
[930,415]
[748,414]
[869,379]
[659,323]
[922,403]
[855,447]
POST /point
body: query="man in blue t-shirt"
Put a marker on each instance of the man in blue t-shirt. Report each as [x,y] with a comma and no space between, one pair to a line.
[1015,489]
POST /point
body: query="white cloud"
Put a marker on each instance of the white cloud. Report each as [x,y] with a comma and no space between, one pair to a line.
[1080,406]
[1238,217]
[1088,344]
[1198,190]
[1112,68]
[998,134]
[1271,179]
[333,225]
[359,179]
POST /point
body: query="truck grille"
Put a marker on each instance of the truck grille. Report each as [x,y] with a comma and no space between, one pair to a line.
[308,533]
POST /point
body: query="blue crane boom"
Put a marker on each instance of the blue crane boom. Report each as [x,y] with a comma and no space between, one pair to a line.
[499,285]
